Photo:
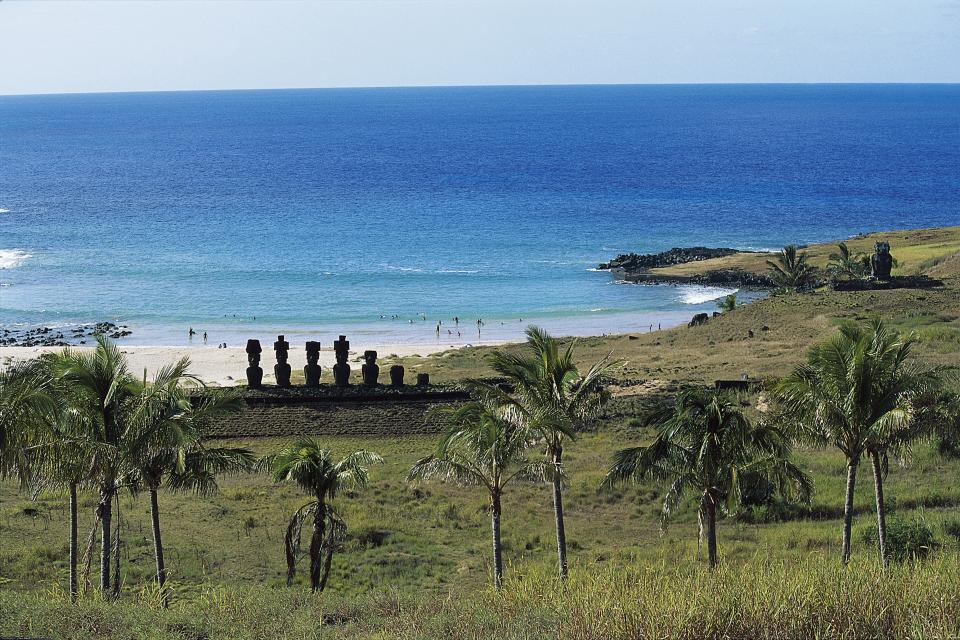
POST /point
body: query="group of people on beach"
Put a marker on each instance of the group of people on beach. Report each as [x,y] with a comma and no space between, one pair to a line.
[191,333]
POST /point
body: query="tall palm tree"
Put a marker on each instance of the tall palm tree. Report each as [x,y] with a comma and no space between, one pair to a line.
[169,448]
[706,445]
[553,399]
[314,470]
[25,400]
[790,269]
[860,393]
[42,440]
[847,264]
[485,446]
[99,387]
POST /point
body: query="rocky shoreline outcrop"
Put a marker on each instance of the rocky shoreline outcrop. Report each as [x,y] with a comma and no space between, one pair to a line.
[636,262]
[61,336]
[636,268]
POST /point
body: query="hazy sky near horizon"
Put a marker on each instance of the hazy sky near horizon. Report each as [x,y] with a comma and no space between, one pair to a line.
[57,47]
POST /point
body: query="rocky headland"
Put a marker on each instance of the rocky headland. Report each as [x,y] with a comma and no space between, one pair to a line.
[639,268]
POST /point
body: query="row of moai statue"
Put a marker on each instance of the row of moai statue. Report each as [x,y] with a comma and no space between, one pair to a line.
[370,371]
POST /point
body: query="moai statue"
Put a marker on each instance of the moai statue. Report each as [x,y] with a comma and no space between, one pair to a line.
[254,372]
[881,261]
[396,376]
[311,372]
[370,370]
[282,369]
[341,370]
[423,379]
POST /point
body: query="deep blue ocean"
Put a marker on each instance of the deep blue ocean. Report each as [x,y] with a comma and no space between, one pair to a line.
[319,211]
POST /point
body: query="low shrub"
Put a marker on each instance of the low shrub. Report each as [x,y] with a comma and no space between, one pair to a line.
[907,539]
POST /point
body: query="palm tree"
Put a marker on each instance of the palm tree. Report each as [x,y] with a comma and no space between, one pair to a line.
[706,445]
[24,401]
[485,446]
[790,270]
[860,393]
[554,401]
[313,469]
[42,440]
[170,427]
[847,264]
[99,387]
[728,303]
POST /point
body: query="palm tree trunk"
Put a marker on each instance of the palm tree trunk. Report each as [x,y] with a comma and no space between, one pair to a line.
[157,543]
[848,508]
[711,508]
[881,507]
[327,561]
[105,514]
[74,589]
[116,547]
[497,545]
[316,543]
[558,514]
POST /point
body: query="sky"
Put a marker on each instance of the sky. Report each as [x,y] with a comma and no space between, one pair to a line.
[117,45]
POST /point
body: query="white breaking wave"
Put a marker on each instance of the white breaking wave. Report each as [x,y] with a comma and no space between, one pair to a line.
[2,210]
[696,294]
[12,258]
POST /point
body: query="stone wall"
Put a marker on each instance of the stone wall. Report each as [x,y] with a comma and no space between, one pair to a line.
[340,417]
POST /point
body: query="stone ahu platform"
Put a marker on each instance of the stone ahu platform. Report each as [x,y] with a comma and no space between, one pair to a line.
[342,408]
[329,410]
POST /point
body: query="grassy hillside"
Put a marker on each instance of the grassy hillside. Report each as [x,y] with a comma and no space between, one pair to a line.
[759,600]
[435,537]
[914,249]
[416,561]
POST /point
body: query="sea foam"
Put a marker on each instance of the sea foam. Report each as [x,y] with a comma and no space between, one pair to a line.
[12,258]
[695,294]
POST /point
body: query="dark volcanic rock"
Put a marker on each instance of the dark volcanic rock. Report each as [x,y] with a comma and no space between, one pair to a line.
[49,337]
[720,277]
[633,262]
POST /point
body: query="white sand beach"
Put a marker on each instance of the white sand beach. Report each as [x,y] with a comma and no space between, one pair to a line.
[225,367]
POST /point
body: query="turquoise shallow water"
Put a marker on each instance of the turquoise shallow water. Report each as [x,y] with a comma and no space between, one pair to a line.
[317,211]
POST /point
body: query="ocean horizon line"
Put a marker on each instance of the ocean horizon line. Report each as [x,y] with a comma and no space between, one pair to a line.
[362,87]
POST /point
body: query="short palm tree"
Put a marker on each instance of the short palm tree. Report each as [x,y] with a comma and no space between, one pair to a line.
[847,264]
[554,401]
[315,471]
[790,270]
[486,446]
[170,426]
[706,445]
[728,303]
[860,393]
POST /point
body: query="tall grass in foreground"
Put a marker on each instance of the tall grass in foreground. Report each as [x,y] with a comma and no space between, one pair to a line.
[817,599]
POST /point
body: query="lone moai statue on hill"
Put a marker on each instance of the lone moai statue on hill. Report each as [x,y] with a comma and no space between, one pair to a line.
[311,372]
[282,369]
[370,369]
[341,370]
[254,372]
[881,262]
[396,376]
[423,379]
